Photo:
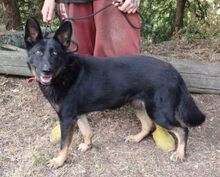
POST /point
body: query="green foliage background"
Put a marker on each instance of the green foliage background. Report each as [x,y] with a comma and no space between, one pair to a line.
[201,19]
[29,8]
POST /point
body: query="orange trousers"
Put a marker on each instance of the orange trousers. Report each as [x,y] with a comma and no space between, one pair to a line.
[106,34]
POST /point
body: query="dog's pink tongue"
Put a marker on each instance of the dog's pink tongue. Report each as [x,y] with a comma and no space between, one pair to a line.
[46,79]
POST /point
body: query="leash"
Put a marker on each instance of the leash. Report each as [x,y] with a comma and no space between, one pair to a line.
[45,33]
[95,13]
[102,9]
[31,79]
[92,15]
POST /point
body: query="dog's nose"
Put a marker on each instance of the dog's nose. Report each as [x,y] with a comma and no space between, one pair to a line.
[46,69]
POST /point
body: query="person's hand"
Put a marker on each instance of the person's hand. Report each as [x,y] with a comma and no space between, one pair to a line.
[127,6]
[48,10]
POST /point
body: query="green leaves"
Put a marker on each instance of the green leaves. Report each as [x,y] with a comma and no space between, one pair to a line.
[201,20]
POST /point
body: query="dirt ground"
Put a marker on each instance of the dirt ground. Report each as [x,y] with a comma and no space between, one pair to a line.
[27,120]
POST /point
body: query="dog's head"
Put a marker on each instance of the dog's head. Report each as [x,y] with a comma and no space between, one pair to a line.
[46,55]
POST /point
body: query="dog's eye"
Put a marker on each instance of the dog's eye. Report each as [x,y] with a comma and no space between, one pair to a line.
[39,53]
[54,53]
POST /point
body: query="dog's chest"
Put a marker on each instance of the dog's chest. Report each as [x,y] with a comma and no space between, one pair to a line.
[54,94]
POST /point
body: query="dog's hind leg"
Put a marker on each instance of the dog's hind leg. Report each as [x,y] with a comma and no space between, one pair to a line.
[182,137]
[146,122]
[164,117]
[86,131]
[62,156]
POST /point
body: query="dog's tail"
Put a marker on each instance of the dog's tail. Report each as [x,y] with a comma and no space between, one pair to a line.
[188,111]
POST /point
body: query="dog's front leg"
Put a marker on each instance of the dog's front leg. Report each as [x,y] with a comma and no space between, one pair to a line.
[67,121]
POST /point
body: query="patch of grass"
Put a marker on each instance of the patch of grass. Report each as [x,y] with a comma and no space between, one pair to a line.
[54,121]
[99,169]
[1,13]
[132,171]
[130,109]
[38,159]
[4,99]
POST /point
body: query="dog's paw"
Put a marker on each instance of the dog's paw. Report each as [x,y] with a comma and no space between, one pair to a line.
[55,163]
[133,139]
[177,157]
[84,147]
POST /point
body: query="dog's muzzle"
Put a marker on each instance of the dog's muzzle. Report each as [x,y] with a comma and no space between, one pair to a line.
[45,79]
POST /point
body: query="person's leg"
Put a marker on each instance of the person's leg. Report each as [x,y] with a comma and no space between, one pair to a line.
[83,30]
[114,35]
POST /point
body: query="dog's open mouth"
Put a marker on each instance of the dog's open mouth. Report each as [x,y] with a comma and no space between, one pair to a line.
[45,79]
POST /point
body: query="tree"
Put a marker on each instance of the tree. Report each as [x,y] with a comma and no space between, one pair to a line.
[179,14]
[11,17]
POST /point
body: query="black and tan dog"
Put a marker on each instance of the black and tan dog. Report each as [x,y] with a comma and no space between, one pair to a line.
[76,85]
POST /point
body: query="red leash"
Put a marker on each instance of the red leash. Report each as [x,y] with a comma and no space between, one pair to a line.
[31,79]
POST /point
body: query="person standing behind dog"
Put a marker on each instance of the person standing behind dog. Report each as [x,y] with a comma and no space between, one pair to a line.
[107,33]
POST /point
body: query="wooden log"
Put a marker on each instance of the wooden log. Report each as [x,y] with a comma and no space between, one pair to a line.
[199,77]
[14,63]
[15,38]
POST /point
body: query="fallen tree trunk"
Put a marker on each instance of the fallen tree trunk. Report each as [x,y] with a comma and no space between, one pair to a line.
[199,77]
[13,62]
[15,38]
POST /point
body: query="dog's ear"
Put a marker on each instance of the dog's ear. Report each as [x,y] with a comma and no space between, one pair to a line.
[33,32]
[64,33]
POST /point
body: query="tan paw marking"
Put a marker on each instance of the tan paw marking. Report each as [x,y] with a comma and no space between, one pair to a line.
[177,156]
[84,147]
[55,163]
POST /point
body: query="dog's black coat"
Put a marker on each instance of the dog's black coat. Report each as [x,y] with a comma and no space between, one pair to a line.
[82,84]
